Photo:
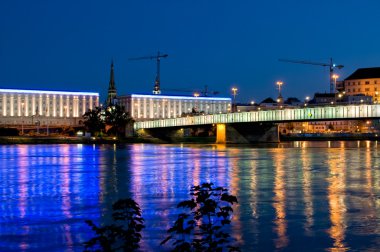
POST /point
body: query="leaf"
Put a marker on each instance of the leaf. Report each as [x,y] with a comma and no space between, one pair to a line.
[166,239]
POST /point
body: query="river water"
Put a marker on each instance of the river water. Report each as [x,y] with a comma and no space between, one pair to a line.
[315,196]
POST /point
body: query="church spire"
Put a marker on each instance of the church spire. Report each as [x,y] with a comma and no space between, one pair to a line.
[111,88]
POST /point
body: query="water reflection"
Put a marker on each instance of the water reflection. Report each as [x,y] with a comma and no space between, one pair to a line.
[279,199]
[292,196]
[41,197]
[307,191]
[337,200]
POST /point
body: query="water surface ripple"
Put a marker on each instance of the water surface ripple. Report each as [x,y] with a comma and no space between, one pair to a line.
[314,196]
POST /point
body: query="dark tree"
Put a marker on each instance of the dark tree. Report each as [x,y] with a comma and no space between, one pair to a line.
[123,234]
[93,120]
[117,119]
[202,227]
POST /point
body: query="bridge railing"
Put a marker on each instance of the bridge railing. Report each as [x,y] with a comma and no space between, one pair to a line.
[361,111]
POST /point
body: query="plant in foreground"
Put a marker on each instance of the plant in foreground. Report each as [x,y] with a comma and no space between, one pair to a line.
[203,228]
[124,234]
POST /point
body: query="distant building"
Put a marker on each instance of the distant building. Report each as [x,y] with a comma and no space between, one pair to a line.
[112,93]
[358,99]
[144,106]
[339,86]
[19,106]
[269,103]
[364,81]
[323,98]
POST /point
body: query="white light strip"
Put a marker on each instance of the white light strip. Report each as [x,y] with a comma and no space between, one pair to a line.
[180,97]
[25,91]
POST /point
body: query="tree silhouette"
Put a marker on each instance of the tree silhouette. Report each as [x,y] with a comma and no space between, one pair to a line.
[117,119]
[203,228]
[124,234]
[93,120]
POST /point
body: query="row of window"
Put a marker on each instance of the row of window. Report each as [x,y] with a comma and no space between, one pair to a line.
[353,83]
[360,90]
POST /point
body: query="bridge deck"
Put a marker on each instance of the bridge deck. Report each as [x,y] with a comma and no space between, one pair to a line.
[361,111]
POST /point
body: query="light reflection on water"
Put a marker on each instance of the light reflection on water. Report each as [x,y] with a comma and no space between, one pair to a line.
[292,196]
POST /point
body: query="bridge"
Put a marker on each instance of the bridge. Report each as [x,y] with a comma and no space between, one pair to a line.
[266,117]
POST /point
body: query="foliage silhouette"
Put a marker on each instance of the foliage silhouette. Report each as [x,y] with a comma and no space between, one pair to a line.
[202,228]
[124,234]
[117,119]
[93,120]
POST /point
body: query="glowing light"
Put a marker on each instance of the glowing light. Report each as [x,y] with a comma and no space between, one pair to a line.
[180,97]
[25,91]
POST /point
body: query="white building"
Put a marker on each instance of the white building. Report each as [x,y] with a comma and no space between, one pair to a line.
[144,106]
[28,107]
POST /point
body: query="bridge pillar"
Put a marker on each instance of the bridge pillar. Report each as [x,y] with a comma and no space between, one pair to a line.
[220,133]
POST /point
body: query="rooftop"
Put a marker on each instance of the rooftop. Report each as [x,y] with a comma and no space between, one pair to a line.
[365,73]
[181,97]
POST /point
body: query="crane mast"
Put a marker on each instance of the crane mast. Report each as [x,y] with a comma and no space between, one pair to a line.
[331,66]
[156,88]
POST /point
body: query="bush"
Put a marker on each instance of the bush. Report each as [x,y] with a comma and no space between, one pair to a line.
[124,234]
[202,228]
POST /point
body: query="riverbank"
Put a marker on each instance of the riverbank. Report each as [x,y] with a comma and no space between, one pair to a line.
[97,140]
[199,140]
[329,137]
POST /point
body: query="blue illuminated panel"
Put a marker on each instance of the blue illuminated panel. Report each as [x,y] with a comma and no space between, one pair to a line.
[25,91]
[181,97]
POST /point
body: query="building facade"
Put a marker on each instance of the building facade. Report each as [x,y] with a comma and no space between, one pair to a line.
[29,107]
[144,107]
[364,81]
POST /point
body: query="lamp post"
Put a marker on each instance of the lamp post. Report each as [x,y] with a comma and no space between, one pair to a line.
[307,98]
[335,76]
[234,92]
[279,84]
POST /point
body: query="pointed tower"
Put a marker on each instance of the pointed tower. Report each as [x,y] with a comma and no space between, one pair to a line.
[111,88]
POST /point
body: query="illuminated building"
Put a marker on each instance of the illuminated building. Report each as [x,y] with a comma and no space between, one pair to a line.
[144,106]
[364,81]
[30,107]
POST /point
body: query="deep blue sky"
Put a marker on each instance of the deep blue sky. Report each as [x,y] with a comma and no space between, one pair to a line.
[69,45]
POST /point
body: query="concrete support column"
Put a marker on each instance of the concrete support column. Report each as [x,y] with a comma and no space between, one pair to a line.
[151,108]
[5,105]
[47,105]
[54,105]
[220,133]
[40,105]
[144,110]
[26,102]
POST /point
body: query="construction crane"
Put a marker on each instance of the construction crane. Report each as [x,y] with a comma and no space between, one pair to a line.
[331,66]
[156,88]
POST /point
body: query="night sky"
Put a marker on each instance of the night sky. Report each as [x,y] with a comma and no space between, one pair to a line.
[69,45]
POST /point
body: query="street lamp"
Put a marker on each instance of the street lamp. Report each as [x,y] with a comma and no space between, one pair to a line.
[234,92]
[279,84]
[335,76]
[307,99]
